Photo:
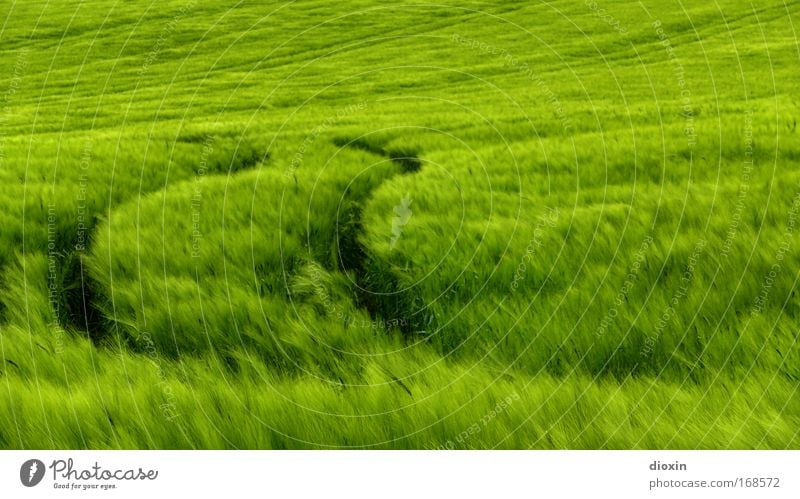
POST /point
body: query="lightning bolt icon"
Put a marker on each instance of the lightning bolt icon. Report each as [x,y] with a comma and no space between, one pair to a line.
[33,470]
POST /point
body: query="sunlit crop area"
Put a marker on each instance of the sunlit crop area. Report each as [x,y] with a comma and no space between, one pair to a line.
[359,224]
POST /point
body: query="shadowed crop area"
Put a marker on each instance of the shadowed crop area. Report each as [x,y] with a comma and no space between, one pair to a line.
[548,225]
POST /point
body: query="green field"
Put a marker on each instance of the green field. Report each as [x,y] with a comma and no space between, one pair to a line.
[412,225]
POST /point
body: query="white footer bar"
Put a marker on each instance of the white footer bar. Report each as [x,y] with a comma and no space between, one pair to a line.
[400,474]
